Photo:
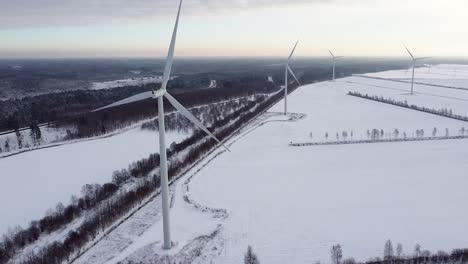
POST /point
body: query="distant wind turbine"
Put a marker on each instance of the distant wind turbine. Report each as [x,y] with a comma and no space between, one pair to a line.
[286,73]
[335,58]
[160,95]
[414,60]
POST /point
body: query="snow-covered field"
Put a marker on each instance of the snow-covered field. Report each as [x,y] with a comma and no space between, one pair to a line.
[49,135]
[126,82]
[425,95]
[443,74]
[293,203]
[35,181]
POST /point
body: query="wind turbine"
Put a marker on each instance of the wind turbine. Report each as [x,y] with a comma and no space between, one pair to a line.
[414,60]
[160,95]
[334,62]
[286,73]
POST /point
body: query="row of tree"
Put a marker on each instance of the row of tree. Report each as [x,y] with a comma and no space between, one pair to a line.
[442,112]
[397,256]
[35,135]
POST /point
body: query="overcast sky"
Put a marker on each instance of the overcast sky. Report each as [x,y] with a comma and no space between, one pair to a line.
[142,28]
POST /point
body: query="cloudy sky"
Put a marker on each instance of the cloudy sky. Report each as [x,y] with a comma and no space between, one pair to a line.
[142,28]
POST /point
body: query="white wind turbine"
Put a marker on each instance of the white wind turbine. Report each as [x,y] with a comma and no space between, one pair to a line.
[414,60]
[160,95]
[334,62]
[286,73]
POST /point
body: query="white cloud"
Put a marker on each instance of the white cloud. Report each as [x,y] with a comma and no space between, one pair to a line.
[46,13]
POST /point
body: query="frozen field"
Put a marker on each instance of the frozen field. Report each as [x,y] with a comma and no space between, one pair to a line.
[292,204]
[126,82]
[425,95]
[445,75]
[35,181]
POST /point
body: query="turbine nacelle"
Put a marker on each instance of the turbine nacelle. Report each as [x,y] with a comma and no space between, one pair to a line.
[414,59]
[335,57]
[158,93]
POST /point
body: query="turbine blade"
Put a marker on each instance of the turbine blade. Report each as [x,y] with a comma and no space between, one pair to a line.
[331,53]
[129,100]
[292,52]
[170,54]
[192,118]
[294,75]
[409,52]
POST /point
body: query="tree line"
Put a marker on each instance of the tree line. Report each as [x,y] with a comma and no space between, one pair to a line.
[396,255]
[76,105]
[446,112]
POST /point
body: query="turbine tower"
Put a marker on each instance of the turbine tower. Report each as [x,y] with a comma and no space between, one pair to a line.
[414,60]
[288,70]
[160,95]
[334,62]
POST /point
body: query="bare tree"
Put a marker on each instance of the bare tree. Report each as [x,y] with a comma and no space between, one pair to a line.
[19,138]
[388,250]
[250,257]
[7,145]
[399,250]
[417,250]
[336,254]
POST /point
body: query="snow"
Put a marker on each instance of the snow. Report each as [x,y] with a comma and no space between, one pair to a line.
[293,203]
[49,135]
[126,82]
[443,74]
[213,84]
[37,180]
[425,95]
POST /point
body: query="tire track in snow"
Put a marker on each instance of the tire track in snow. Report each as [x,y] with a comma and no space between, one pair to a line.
[218,212]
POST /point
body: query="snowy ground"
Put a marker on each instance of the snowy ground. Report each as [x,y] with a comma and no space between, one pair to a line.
[34,181]
[292,204]
[49,135]
[446,75]
[425,95]
[126,82]
[213,84]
